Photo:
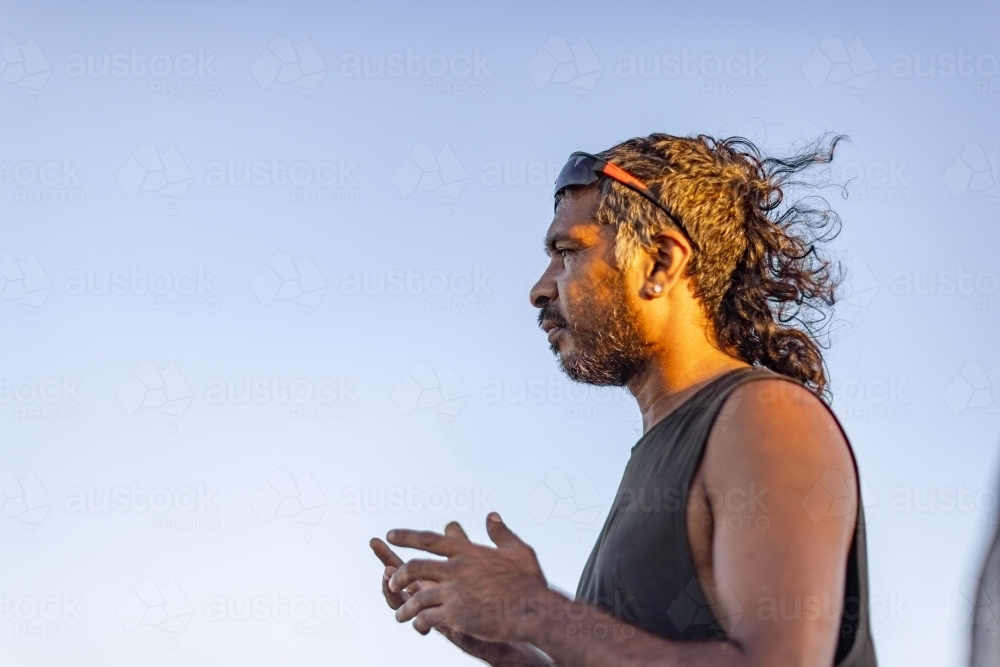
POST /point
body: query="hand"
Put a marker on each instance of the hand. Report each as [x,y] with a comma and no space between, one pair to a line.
[495,653]
[480,591]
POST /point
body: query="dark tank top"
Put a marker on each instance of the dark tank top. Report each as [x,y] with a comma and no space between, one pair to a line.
[641,568]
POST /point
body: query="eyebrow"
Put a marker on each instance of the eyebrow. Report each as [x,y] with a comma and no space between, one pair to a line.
[549,242]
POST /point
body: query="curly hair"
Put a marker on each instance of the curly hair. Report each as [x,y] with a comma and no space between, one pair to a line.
[758,270]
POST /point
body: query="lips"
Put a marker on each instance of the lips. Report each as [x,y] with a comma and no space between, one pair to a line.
[553,328]
[551,322]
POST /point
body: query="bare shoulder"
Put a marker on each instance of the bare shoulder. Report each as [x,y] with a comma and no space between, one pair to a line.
[775,431]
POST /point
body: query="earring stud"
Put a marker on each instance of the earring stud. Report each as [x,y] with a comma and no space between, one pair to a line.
[657,288]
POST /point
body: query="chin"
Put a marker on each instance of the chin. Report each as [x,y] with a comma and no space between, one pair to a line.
[562,349]
[567,364]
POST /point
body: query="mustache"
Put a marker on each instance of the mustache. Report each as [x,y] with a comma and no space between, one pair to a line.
[549,313]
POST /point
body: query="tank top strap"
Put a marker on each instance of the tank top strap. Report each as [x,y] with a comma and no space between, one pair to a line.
[696,415]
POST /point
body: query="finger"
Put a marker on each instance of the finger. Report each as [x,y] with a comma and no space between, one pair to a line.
[417,570]
[394,600]
[428,618]
[384,553]
[435,543]
[454,529]
[418,586]
[430,597]
[498,531]
[406,592]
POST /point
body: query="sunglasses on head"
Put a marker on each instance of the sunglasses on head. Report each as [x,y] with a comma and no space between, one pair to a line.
[584,169]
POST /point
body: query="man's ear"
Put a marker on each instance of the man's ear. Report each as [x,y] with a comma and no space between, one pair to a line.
[669,259]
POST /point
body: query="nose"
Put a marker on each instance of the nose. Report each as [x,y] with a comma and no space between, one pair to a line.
[544,291]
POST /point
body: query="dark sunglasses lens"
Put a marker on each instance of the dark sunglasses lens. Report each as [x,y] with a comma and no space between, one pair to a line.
[579,170]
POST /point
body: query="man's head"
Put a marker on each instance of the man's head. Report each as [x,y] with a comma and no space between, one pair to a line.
[596,307]
[624,280]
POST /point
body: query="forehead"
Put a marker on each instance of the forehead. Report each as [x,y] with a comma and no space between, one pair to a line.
[576,217]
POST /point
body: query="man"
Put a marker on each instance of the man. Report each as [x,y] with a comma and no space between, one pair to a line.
[676,271]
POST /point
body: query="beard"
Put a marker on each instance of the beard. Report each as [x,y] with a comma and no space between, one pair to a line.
[609,348]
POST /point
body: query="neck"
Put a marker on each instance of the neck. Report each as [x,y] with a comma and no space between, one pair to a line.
[674,374]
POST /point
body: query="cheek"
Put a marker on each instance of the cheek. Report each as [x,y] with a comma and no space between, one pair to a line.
[577,277]
[583,302]
[572,289]
[583,278]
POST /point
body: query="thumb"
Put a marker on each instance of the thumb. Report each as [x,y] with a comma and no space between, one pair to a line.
[501,535]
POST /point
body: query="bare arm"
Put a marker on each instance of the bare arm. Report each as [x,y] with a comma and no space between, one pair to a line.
[783,585]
